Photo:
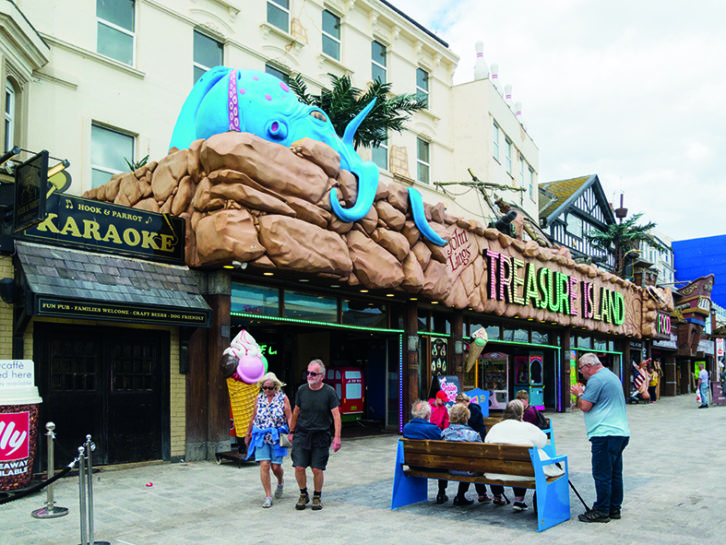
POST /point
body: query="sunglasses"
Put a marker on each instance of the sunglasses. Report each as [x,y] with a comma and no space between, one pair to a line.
[268,387]
[313,374]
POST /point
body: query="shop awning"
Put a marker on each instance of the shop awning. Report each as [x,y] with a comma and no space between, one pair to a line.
[78,284]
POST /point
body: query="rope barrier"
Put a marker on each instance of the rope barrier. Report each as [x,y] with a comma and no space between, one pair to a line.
[12,495]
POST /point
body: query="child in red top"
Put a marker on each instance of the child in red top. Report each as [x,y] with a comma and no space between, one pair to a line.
[439,412]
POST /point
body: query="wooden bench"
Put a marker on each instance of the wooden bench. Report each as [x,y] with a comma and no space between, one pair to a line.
[550,449]
[420,460]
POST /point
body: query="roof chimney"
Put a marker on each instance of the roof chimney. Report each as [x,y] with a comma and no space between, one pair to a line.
[481,70]
[518,109]
[508,93]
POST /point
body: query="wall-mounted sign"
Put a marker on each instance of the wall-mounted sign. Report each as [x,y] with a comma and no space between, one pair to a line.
[31,181]
[516,282]
[99,226]
[663,324]
[68,308]
[458,251]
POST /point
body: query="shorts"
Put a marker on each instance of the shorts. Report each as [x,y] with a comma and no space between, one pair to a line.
[267,453]
[315,457]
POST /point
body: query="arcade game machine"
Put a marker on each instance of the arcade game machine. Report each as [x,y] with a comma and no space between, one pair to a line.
[348,384]
[536,380]
[494,377]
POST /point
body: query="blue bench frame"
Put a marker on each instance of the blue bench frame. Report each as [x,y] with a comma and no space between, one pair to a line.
[553,498]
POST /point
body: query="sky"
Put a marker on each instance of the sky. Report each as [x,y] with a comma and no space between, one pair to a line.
[633,91]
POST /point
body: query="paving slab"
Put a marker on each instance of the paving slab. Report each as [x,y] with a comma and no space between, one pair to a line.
[674,477]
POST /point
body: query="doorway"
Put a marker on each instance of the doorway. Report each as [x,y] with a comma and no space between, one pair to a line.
[110,383]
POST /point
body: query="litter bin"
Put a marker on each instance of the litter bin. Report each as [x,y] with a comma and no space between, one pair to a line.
[19,402]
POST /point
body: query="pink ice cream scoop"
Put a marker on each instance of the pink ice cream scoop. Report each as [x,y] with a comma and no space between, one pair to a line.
[250,369]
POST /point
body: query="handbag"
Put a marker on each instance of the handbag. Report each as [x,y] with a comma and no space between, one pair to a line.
[285,440]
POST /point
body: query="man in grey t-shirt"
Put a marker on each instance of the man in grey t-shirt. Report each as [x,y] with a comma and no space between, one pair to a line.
[316,408]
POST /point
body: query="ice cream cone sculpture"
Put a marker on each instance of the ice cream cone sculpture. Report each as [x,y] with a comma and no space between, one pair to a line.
[479,340]
[242,385]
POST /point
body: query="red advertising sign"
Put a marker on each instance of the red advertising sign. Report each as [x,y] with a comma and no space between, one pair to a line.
[14,436]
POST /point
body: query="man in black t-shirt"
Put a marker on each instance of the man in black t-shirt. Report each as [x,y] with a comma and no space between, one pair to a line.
[316,408]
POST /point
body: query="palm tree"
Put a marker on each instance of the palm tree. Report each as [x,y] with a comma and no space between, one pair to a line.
[344,102]
[622,238]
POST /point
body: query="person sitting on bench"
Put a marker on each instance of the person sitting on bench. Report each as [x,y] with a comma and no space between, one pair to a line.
[512,431]
[420,427]
[459,431]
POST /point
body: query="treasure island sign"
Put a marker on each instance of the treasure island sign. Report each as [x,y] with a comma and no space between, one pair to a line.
[512,278]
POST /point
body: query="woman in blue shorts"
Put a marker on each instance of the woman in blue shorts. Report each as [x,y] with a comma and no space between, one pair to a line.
[270,418]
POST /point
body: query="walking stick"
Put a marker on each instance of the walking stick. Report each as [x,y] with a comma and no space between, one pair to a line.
[587,509]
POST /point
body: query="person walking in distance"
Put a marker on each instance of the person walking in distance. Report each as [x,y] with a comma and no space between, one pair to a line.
[603,403]
[703,380]
[316,408]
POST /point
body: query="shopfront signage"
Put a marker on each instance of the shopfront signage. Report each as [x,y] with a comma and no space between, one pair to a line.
[67,308]
[671,343]
[98,226]
[458,251]
[31,181]
[517,282]
[663,324]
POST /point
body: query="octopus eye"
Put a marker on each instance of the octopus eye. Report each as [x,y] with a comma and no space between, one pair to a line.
[318,115]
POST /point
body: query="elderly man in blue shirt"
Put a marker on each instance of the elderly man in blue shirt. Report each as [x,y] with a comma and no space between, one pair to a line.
[420,427]
[603,404]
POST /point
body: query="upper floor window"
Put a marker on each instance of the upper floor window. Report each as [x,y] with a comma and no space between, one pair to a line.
[9,115]
[378,61]
[422,85]
[116,26]
[508,154]
[531,183]
[495,141]
[109,152]
[331,35]
[379,155]
[279,74]
[278,14]
[522,162]
[208,53]
[574,225]
[423,161]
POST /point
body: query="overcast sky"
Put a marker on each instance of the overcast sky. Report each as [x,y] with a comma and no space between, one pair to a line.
[631,90]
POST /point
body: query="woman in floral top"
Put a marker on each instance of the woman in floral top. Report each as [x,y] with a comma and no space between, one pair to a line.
[459,431]
[270,418]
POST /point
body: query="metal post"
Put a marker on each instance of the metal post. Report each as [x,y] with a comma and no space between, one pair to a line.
[82,494]
[50,510]
[90,446]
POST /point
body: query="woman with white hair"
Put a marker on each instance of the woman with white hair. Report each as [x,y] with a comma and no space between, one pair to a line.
[270,418]
[512,431]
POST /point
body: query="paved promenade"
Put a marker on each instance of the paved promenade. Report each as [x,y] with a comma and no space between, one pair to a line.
[675,493]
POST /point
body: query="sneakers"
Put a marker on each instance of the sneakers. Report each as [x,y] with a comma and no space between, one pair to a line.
[461,501]
[498,500]
[441,498]
[268,503]
[317,503]
[302,501]
[615,514]
[703,406]
[519,506]
[484,499]
[278,491]
[594,516]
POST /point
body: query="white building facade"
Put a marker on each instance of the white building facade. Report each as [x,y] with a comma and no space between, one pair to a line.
[107,79]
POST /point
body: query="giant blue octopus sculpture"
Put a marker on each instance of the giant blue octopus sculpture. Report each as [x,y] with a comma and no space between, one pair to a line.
[225,99]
